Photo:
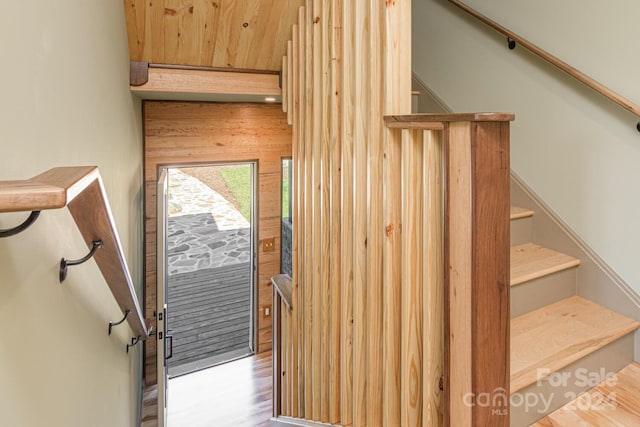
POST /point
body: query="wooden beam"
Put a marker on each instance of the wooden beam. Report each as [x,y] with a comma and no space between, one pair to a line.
[170,80]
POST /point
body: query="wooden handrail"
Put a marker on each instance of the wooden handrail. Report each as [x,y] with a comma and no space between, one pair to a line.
[430,121]
[555,61]
[81,190]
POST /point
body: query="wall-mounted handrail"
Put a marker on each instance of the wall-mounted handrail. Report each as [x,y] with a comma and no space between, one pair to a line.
[81,190]
[553,60]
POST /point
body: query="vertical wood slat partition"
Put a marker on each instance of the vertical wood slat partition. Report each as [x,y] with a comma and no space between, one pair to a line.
[465,264]
[364,343]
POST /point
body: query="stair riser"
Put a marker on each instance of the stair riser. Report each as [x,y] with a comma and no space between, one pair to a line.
[521,231]
[537,293]
[610,358]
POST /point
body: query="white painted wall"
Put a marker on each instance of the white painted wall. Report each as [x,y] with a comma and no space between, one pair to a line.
[65,101]
[576,149]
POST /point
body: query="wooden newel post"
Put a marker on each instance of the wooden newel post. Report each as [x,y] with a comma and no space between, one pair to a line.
[477,271]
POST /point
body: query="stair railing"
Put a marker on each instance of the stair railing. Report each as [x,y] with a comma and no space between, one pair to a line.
[514,39]
[81,190]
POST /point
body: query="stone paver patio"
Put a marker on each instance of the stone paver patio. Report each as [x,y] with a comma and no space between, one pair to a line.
[204,230]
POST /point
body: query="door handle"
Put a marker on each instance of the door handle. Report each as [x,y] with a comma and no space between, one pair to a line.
[169,339]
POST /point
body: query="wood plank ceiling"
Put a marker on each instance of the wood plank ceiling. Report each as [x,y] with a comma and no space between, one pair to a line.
[241,34]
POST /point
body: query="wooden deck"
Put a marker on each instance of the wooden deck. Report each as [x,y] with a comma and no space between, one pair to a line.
[208,316]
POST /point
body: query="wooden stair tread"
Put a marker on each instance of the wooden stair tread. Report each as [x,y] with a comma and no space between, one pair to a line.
[531,261]
[517,213]
[559,334]
[618,408]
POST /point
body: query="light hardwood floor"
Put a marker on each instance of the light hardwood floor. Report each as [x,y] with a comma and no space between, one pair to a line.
[234,394]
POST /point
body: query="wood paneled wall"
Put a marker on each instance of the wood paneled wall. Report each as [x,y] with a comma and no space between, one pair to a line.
[190,133]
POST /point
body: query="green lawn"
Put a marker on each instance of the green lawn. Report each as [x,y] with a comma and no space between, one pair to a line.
[285,196]
[238,179]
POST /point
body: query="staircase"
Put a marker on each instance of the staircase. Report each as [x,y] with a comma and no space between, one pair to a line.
[563,345]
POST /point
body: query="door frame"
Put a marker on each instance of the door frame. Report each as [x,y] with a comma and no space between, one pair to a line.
[253,224]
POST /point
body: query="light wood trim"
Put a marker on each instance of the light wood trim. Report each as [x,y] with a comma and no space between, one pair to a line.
[168,80]
[82,191]
[284,286]
[553,60]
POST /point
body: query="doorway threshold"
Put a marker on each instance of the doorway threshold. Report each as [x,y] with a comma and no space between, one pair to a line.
[209,362]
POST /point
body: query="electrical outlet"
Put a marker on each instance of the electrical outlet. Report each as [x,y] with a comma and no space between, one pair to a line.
[269,245]
[267,311]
